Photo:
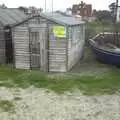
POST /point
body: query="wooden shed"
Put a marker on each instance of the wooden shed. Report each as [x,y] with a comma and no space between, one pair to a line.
[52,42]
[8,18]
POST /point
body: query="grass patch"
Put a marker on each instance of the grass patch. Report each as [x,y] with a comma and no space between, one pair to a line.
[90,85]
[6,106]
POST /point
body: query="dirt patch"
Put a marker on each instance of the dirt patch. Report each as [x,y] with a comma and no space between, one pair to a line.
[39,104]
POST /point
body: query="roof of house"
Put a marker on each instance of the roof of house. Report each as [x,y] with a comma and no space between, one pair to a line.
[61,18]
[10,16]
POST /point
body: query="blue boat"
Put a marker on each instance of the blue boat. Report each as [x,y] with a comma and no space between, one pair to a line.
[108,54]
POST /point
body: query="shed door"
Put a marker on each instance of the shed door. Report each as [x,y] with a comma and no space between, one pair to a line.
[38,47]
[35,57]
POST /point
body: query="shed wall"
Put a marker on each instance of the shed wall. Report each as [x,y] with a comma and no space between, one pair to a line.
[2,45]
[76,41]
[21,47]
[57,52]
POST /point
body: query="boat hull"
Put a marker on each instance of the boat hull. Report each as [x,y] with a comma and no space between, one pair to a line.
[106,57]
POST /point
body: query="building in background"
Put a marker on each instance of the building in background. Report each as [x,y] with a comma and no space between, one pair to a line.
[69,11]
[82,9]
[3,6]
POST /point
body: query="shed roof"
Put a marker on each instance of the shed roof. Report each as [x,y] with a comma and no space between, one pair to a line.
[10,16]
[62,18]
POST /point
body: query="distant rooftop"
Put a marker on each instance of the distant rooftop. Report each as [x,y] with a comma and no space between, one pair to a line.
[10,16]
[62,18]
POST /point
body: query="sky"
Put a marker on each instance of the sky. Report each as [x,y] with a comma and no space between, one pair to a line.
[57,4]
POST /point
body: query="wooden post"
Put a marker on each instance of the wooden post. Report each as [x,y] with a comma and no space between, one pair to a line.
[46,50]
[67,38]
[12,29]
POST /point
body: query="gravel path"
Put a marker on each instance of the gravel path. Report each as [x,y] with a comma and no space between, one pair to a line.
[37,104]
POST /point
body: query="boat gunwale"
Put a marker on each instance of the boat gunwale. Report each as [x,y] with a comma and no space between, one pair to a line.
[102,49]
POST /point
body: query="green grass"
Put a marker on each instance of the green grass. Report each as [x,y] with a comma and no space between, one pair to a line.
[106,84]
[6,106]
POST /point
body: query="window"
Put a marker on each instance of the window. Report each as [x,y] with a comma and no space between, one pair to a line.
[34,37]
[35,45]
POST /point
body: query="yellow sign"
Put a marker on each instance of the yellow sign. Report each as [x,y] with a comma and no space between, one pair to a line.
[59,31]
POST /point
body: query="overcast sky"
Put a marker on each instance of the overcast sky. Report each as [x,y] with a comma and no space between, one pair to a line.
[58,4]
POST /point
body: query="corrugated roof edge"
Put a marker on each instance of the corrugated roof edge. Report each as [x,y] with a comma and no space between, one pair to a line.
[13,25]
[16,24]
[44,15]
[48,18]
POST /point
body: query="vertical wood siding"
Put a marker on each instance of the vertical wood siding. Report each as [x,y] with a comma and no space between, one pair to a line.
[21,47]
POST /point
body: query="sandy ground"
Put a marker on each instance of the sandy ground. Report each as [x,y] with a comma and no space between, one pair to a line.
[37,104]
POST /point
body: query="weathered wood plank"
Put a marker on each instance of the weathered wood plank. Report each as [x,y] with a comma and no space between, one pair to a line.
[21,48]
